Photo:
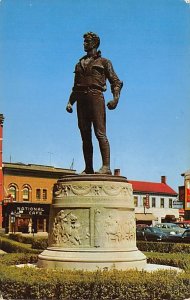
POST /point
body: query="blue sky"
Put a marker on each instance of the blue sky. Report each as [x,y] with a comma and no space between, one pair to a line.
[148,43]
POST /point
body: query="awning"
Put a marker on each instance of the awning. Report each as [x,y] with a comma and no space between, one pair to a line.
[145,217]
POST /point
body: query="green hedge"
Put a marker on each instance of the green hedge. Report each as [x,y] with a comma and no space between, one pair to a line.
[36,242]
[30,283]
[163,247]
[179,260]
[35,283]
[10,259]
[40,243]
[10,246]
[18,237]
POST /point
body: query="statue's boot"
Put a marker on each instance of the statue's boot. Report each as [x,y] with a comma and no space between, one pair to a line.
[105,170]
[88,154]
[105,153]
[87,171]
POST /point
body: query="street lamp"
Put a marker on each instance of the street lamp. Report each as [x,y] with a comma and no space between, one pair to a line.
[13,217]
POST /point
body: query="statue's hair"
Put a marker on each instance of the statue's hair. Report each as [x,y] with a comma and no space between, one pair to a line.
[93,36]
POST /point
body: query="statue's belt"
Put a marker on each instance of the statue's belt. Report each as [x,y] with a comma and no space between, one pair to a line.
[86,89]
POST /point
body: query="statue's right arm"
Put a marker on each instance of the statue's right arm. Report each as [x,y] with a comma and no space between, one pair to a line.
[72,100]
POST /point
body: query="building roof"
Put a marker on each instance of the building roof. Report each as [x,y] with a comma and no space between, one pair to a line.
[34,169]
[152,187]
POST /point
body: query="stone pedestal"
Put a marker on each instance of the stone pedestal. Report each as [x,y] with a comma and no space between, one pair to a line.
[92,225]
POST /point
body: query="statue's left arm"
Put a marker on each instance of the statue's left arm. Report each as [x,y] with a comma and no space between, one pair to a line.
[116,85]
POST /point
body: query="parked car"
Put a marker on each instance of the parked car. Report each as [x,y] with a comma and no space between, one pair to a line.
[183,224]
[170,228]
[180,238]
[142,225]
[150,234]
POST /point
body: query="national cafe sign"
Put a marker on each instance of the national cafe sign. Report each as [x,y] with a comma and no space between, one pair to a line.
[28,209]
[37,211]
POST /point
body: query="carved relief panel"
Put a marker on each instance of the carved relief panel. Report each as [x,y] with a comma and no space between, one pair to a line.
[114,228]
[70,228]
[96,189]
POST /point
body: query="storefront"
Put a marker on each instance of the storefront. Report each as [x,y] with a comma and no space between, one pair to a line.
[25,217]
[145,218]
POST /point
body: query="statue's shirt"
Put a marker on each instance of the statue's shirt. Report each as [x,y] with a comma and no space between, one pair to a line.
[93,72]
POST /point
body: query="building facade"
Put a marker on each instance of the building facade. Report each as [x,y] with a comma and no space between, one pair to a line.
[185,194]
[154,202]
[28,191]
[1,169]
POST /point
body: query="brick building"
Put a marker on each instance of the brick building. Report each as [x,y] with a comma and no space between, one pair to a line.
[27,195]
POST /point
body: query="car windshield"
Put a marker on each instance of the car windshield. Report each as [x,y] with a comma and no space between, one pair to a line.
[154,229]
[187,233]
[174,226]
[165,225]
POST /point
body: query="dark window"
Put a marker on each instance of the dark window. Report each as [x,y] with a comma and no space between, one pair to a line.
[44,194]
[25,194]
[12,191]
[170,203]
[136,201]
[162,202]
[153,202]
[38,194]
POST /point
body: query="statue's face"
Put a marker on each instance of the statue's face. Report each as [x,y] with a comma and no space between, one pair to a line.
[88,44]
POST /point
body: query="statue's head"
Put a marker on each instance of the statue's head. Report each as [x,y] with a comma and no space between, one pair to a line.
[91,40]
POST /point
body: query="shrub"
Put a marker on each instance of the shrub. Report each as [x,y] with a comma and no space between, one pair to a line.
[21,238]
[171,259]
[29,283]
[10,246]
[163,247]
[40,243]
[33,283]
[18,258]
[36,242]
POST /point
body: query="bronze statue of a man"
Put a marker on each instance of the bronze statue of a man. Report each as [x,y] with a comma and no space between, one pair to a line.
[91,73]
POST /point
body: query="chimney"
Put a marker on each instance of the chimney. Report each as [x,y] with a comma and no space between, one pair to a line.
[163,179]
[116,172]
[1,166]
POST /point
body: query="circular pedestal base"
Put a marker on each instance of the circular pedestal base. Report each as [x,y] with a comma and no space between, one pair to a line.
[92,225]
[91,260]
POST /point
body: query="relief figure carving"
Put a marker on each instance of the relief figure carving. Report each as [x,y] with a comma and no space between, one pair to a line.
[65,229]
[118,230]
[57,189]
[113,229]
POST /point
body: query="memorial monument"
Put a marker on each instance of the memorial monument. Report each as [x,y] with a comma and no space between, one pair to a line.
[92,218]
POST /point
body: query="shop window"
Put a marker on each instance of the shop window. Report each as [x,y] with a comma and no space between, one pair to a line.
[38,194]
[26,194]
[12,192]
[170,203]
[136,201]
[144,201]
[44,194]
[162,202]
[153,202]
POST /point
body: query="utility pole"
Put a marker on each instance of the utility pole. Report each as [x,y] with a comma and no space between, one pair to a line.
[72,164]
[50,154]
